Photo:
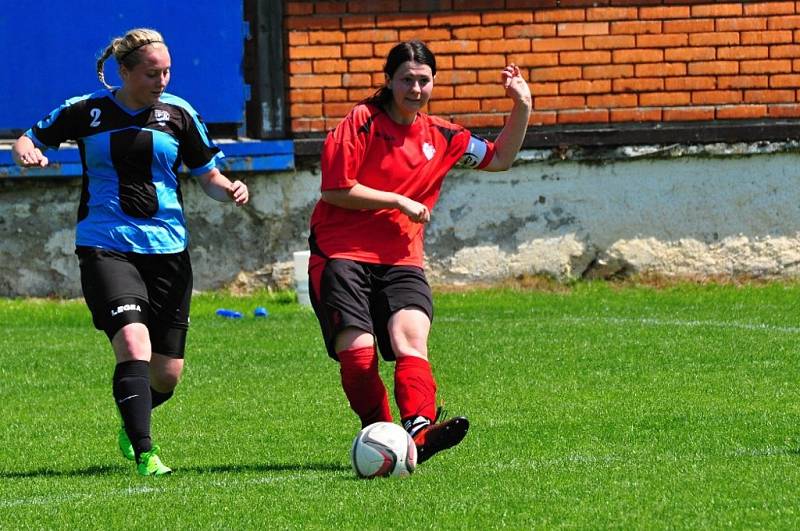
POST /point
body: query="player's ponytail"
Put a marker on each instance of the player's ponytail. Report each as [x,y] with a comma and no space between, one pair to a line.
[405,51]
[124,49]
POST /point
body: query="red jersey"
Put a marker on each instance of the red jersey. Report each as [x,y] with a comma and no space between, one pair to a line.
[371,149]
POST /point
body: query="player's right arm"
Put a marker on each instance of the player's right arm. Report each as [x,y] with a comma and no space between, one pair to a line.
[26,154]
[360,197]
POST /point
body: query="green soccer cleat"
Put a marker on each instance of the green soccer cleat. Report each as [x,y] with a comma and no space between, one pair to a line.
[125,446]
[151,465]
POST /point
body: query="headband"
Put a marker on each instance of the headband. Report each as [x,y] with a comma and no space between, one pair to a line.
[145,43]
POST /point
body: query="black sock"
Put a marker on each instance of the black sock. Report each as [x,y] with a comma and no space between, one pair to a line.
[159,397]
[132,394]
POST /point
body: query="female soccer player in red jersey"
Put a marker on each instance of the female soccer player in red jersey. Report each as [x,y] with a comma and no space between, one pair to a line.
[382,170]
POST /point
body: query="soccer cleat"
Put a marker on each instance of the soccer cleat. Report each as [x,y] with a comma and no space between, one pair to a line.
[439,436]
[125,446]
[151,465]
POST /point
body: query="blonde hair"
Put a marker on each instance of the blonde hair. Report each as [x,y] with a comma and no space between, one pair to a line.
[125,49]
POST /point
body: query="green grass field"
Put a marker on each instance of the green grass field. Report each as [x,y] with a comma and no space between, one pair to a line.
[597,406]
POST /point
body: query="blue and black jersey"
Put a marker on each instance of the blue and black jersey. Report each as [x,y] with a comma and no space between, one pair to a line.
[131,198]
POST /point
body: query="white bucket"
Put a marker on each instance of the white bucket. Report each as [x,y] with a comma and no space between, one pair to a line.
[301,276]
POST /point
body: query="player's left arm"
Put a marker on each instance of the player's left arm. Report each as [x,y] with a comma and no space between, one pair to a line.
[219,187]
[509,141]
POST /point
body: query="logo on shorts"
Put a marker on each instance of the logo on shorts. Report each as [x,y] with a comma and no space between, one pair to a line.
[125,308]
[429,150]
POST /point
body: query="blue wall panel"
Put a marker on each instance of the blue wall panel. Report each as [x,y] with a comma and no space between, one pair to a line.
[49,54]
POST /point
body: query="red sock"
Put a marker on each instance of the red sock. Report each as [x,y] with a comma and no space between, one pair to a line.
[363,386]
[414,388]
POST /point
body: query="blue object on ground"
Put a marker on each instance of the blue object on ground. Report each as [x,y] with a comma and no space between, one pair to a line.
[230,314]
[261,312]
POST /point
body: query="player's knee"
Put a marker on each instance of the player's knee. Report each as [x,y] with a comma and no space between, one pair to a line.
[132,342]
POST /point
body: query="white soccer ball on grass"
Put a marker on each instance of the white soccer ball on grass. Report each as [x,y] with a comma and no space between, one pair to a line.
[383,449]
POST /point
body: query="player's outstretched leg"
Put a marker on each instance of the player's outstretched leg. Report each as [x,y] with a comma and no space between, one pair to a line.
[150,464]
[438,436]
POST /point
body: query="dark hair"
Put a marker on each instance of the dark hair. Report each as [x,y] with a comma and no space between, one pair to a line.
[405,51]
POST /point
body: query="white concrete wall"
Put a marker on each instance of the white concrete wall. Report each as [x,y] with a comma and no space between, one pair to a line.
[691,215]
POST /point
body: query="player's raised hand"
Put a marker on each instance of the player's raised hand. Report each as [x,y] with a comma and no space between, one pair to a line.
[515,85]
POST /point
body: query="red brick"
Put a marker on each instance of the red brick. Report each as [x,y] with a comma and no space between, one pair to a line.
[740,82]
[356,50]
[635,115]
[374,6]
[356,80]
[785,22]
[373,36]
[660,69]
[638,84]
[690,83]
[742,52]
[701,68]
[600,86]
[453,46]
[503,105]
[718,10]
[532,60]
[336,110]
[478,33]
[717,38]
[329,66]
[584,58]
[530,30]
[690,54]
[561,73]
[664,99]
[366,65]
[472,121]
[572,29]
[766,37]
[716,97]
[558,102]
[688,114]
[325,37]
[299,8]
[741,24]
[671,40]
[305,125]
[556,44]
[305,110]
[560,15]
[382,49]
[769,96]
[317,81]
[611,13]
[774,66]
[424,34]
[542,118]
[454,19]
[784,81]
[314,52]
[300,67]
[609,42]
[401,21]
[698,25]
[544,89]
[607,71]
[329,8]
[480,61]
[741,112]
[311,23]
[305,96]
[358,94]
[638,56]
[583,117]
[635,27]
[455,77]
[784,51]
[479,91]
[298,38]
[505,46]
[330,95]
[783,111]
[607,101]
[425,6]
[768,8]
[663,12]
[359,22]
[507,17]
[454,106]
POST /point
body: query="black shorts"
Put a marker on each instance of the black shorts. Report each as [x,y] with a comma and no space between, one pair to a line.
[345,294]
[153,289]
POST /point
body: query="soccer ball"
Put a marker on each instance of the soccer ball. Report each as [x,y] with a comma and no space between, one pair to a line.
[383,449]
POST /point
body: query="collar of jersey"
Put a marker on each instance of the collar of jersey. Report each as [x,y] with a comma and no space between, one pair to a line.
[113,95]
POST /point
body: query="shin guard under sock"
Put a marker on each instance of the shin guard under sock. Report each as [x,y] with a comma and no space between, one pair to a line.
[363,386]
[131,386]
[415,392]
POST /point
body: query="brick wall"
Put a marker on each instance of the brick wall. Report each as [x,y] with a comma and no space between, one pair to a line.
[587,62]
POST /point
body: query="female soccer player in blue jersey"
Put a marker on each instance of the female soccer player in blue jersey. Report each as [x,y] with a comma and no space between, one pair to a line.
[131,237]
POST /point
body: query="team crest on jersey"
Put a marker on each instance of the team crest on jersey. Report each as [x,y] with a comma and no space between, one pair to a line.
[428,150]
[161,115]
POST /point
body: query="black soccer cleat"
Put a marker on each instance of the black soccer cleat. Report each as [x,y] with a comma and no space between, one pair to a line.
[440,436]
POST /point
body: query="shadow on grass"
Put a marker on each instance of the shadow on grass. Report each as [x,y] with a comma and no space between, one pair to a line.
[198,469]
